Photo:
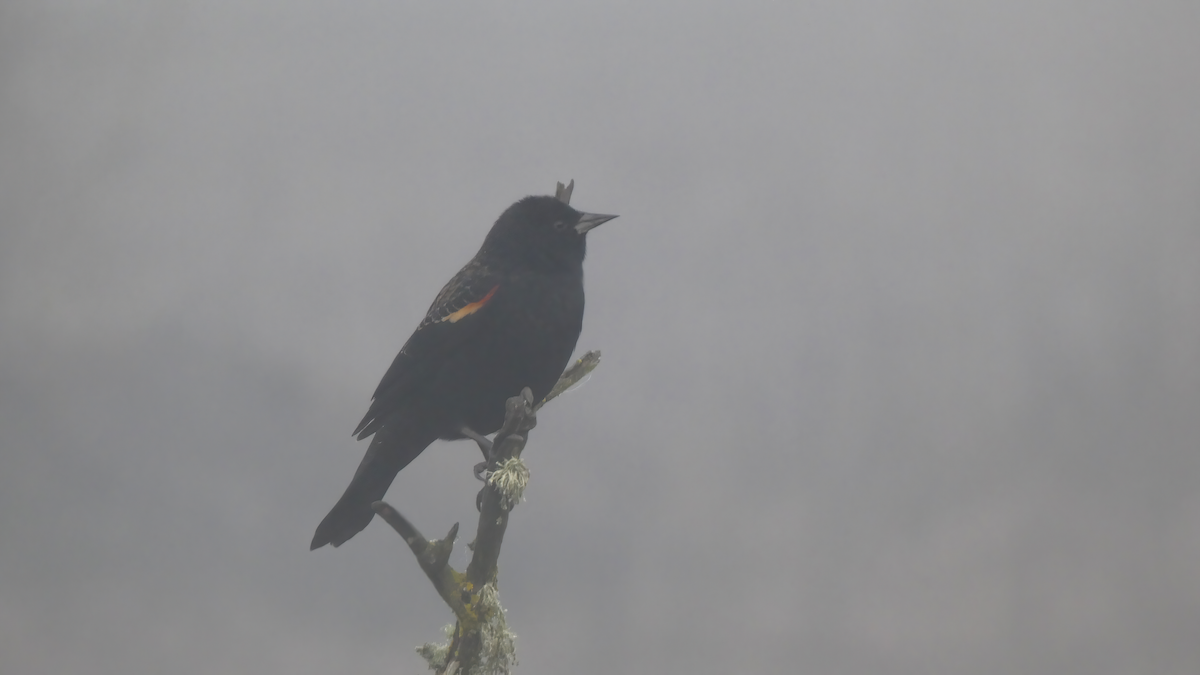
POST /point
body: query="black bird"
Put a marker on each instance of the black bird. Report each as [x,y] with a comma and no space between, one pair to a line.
[509,319]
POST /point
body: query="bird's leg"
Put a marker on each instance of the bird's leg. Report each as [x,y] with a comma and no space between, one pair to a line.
[485,446]
[482,441]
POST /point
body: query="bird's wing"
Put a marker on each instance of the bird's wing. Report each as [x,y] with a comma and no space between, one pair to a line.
[459,313]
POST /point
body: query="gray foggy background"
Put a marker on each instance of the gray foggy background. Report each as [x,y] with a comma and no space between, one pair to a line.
[901,324]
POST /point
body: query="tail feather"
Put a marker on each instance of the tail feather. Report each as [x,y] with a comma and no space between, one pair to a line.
[395,445]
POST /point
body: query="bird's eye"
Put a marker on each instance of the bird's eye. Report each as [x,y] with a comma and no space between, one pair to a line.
[560,225]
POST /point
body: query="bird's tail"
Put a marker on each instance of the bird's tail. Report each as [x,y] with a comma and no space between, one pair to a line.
[395,444]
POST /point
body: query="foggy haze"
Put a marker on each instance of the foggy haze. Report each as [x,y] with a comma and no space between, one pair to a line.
[900,323]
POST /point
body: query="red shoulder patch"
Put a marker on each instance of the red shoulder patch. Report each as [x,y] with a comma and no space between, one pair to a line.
[470,308]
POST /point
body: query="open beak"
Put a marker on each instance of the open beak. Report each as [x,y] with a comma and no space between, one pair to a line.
[589,221]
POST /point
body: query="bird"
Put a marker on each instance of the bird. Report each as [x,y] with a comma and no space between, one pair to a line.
[509,319]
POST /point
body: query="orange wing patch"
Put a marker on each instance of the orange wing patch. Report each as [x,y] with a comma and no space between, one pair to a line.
[470,308]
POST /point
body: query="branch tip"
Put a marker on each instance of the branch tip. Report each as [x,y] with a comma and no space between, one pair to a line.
[572,376]
[563,192]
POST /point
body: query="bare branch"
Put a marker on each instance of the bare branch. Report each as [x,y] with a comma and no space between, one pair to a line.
[519,419]
[563,194]
[572,376]
[432,555]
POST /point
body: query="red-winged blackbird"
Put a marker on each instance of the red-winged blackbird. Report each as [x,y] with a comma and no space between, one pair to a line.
[509,319]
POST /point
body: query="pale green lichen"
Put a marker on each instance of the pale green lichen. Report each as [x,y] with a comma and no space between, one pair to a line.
[497,644]
[434,653]
[499,653]
[510,481]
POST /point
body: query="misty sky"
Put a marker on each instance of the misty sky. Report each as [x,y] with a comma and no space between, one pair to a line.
[900,322]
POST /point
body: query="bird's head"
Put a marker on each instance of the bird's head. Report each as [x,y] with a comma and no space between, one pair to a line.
[542,232]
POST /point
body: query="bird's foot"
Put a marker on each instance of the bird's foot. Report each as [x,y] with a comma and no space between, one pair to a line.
[481,470]
[520,416]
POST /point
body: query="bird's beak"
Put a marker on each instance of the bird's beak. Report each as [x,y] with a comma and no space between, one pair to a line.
[588,221]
